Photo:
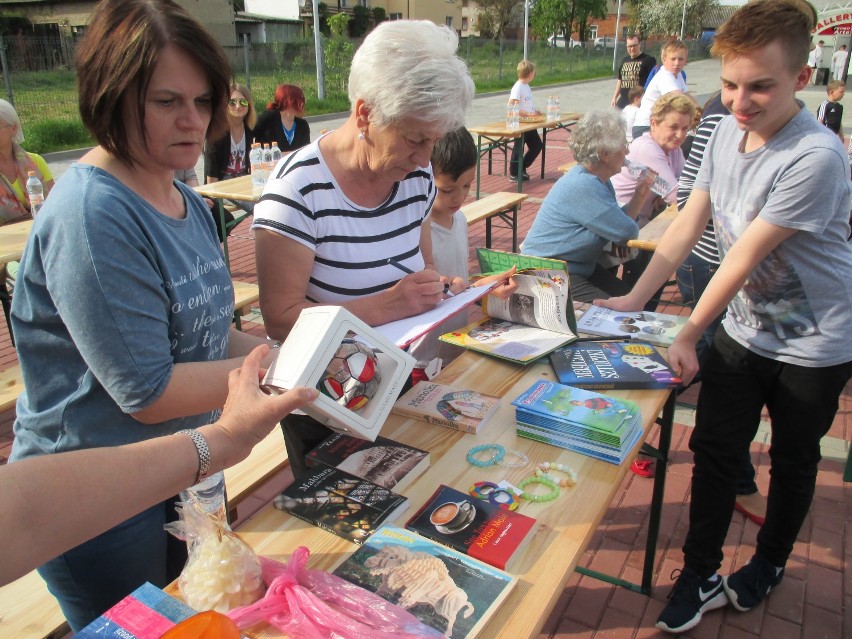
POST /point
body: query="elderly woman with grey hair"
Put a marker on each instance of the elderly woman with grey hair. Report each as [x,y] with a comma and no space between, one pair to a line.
[580,215]
[341,221]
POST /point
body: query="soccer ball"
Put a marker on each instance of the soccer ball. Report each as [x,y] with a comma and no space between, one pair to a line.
[352,376]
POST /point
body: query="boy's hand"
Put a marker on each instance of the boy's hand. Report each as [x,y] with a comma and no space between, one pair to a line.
[683,360]
[507,284]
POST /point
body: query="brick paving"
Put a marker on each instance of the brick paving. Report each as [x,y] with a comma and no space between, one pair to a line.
[815,598]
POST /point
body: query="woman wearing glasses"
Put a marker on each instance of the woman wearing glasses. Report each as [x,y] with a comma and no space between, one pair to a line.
[227,157]
[282,121]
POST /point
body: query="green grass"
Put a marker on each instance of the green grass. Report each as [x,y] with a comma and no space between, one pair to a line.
[47,101]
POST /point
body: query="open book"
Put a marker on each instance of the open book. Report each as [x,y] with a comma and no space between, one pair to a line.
[537,319]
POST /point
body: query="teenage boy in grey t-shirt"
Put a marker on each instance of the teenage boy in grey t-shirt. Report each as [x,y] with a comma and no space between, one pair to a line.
[786,279]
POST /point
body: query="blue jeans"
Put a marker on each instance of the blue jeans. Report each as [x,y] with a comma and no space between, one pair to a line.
[693,276]
[94,576]
[802,402]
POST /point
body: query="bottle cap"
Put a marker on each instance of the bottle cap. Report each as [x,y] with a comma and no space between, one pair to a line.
[31,173]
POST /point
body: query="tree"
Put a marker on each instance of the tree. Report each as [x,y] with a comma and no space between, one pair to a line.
[663,17]
[360,22]
[338,51]
[379,15]
[495,16]
[565,16]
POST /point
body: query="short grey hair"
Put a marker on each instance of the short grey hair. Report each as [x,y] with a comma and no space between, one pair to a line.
[595,132]
[10,116]
[410,68]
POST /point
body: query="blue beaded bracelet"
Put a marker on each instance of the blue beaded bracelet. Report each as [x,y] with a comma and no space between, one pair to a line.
[497,454]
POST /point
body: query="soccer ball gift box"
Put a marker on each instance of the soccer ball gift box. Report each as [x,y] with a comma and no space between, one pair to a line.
[311,349]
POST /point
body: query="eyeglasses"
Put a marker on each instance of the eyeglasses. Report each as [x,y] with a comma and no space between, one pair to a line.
[242,103]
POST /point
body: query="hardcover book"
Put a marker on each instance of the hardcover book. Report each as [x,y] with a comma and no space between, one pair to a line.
[343,504]
[447,590]
[612,365]
[655,328]
[478,528]
[463,410]
[384,462]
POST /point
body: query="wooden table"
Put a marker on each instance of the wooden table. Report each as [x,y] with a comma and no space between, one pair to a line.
[239,189]
[650,234]
[13,238]
[496,135]
[501,205]
[566,524]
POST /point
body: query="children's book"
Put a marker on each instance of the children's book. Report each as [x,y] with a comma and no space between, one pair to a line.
[463,410]
[535,320]
[612,365]
[390,464]
[593,424]
[146,613]
[654,328]
[447,590]
[343,504]
[478,528]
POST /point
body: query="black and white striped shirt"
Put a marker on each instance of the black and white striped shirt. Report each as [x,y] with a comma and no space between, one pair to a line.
[351,244]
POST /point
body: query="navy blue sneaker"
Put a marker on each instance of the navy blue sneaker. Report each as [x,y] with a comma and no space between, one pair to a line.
[750,585]
[691,597]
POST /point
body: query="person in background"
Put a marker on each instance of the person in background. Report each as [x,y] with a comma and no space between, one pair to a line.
[454,161]
[830,111]
[667,80]
[628,113]
[632,73]
[15,164]
[343,217]
[282,121]
[227,157]
[815,60]
[123,305]
[522,95]
[139,475]
[580,215]
[777,185]
[838,63]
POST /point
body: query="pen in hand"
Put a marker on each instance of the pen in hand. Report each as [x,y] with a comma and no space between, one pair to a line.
[405,269]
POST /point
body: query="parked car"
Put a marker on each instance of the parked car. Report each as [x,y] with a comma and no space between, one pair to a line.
[604,43]
[558,41]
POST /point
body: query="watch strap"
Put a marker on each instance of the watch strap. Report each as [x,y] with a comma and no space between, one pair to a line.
[203,452]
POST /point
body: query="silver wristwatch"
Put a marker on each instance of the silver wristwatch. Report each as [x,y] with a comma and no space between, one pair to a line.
[203,452]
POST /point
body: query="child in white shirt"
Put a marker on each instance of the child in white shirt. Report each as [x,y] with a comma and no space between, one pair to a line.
[628,114]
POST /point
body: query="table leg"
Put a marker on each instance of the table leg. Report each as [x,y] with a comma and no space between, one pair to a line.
[488,233]
[515,229]
[543,150]
[478,163]
[220,211]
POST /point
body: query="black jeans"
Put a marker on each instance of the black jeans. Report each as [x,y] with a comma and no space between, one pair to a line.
[534,146]
[802,403]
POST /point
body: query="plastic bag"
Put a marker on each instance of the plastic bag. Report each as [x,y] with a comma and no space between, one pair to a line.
[222,571]
[312,604]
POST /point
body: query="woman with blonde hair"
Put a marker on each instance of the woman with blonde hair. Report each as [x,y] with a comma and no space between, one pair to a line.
[15,164]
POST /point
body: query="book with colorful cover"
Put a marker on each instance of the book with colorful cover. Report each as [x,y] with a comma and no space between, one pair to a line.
[478,528]
[612,365]
[385,462]
[654,328]
[146,613]
[578,445]
[459,409]
[343,504]
[447,590]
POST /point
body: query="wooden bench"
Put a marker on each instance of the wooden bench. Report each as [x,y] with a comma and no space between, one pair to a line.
[564,168]
[265,461]
[501,205]
[11,385]
[245,294]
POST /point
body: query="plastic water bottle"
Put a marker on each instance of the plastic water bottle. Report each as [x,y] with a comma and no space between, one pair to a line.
[509,112]
[35,192]
[267,162]
[276,156]
[659,186]
[210,495]
[551,108]
[556,112]
[256,161]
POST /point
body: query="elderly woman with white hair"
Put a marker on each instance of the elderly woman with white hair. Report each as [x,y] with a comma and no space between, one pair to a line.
[341,221]
[580,215]
[15,164]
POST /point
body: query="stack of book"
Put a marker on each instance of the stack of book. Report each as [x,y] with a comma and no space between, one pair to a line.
[586,422]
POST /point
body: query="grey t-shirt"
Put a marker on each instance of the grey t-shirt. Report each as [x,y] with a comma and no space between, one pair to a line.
[111,294]
[796,305]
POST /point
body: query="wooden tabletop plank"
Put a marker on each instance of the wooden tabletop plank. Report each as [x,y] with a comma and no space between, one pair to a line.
[13,238]
[499,129]
[240,189]
[650,234]
[491,205]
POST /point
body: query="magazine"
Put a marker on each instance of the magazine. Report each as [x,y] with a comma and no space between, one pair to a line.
[459,409]
[654,328]
[445,589]
[612,365]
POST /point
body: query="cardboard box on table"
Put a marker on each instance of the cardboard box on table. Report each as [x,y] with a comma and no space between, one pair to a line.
[307,351]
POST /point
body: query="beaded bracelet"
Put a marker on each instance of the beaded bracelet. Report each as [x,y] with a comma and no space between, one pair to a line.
[497,455]
[545,468]
[523,459]
[554,489]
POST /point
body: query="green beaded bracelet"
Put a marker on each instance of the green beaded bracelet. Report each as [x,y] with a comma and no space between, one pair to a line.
[554,488]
